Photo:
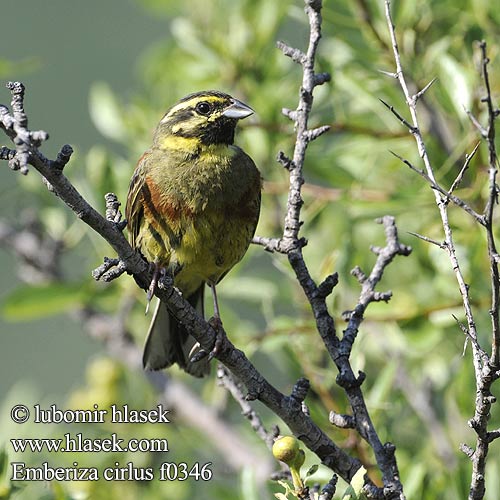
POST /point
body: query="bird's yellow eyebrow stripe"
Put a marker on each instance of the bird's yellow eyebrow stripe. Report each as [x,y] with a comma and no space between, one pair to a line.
[190,104]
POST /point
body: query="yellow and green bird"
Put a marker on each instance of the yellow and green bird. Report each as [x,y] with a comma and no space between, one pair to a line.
[192,209]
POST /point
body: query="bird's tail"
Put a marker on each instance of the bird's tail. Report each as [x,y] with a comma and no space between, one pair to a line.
[168,342]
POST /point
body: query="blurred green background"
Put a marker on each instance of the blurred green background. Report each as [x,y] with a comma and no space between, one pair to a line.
[99,75]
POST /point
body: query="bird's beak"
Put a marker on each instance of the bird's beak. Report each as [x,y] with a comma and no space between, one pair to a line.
[237,110]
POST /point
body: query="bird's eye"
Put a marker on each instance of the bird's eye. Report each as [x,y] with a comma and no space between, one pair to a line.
[203,108]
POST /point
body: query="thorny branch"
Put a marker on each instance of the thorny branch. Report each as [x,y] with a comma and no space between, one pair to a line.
[486,367]
[291,244]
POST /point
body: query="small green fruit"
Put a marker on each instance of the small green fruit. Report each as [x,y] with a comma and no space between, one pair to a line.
[286,449]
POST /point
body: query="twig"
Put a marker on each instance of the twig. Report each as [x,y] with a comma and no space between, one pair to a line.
[427,239]
[291,244]
[493,113]
[329,489]
[486,368]
[228,381]
[460,176]
[429,172]
[446,194]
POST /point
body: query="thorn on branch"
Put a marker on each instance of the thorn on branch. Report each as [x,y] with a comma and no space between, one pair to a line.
[290,113]
[270,244]
[347,380]
[359,274]
[17,103]
[63,157]
[342,421]
[329,489]
[418,95]
[475,122]
[251,396]
[469,336]
[403,120]
[38,136]
[381,296]
[285,161]
[373,492]
[465,448]
[312,134]
[113,213]
[325,287]
[409,164]
[429,240]
[295,55]
[7,154]
[490,399]
[361,378]
[459,178]
[109,270]
[390,449]
[300,390]
[321,78]
[492,435]
[447,196]
[389,73]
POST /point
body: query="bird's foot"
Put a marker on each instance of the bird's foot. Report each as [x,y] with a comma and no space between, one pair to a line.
[216,323]
[197,355]
[152,286]
[165,279]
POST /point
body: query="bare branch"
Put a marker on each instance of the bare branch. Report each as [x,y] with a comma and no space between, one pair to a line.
[295,54]
[447,195]
[329,490]
[342,421]
[486,370]
[427,239]
[493,113]
[460,176]
[291,244]
[418,95]
[403,120]
[229,381]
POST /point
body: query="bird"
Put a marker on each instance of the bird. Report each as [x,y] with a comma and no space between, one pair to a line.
[192,209]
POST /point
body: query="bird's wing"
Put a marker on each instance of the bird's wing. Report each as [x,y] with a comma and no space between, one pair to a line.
[134,210]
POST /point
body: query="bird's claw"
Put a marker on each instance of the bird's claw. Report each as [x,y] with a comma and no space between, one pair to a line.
[160,279]
[216,323]
[198,356]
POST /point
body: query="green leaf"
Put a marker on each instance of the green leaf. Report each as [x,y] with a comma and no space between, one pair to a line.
[106,112]
[29,302]
[280,496]
[312,470]
[353,491]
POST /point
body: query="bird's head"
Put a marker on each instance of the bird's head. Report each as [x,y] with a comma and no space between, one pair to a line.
[207,117]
